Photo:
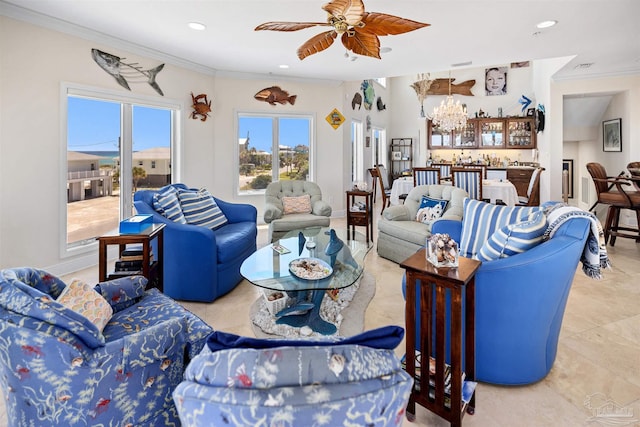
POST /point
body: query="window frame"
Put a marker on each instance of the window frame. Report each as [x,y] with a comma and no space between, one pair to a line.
[275,144]
[127,101]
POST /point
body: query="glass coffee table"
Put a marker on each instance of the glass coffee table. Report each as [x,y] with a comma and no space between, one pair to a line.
[305,269]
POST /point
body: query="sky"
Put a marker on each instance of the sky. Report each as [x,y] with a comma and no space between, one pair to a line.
[94,125]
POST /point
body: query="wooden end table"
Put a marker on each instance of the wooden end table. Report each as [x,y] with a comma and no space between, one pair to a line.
[152,270]
[360,217]
[435,284]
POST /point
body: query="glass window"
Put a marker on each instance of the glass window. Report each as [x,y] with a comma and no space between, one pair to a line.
[272,148]
[109,134]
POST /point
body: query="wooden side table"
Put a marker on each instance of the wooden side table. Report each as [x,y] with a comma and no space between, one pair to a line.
[152,270]
[435,284]
[360,217]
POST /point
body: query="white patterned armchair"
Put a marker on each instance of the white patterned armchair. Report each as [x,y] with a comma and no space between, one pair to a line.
[57,368]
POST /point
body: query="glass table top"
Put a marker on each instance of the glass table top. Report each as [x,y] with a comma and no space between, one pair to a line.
[270,269]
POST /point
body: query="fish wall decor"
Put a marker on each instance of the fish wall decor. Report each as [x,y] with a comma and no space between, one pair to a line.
[441,87]
[357,100]
[368,92]
[275,94]
[126,73]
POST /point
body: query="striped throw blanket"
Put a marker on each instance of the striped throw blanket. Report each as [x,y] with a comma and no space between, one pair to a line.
[594,257]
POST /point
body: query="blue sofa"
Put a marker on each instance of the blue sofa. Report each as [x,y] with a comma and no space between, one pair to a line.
[57,368]
[201,264]
[520,302]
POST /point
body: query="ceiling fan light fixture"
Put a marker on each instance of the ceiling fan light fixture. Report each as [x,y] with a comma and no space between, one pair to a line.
[197,26]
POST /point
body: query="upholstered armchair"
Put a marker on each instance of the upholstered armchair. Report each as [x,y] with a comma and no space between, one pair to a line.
[240,381]
[292,205]
[519,299]
[60,365]
[400,234]
[201,263]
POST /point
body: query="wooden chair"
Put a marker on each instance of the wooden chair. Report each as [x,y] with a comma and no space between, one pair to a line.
[533,191]
[426,176]
[620,197]
[385,187]
[483,168]
[445,171]
[470,180]
[634,171]
[374,179]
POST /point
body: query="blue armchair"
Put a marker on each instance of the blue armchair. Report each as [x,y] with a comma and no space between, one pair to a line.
[57,368]
[520,303]
[201,264]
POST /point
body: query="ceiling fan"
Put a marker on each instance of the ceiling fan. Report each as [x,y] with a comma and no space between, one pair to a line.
[359,29]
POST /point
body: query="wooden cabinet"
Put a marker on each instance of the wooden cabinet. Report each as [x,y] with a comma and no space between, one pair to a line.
[485,133]
[401,150]
[491,133]
[521,132]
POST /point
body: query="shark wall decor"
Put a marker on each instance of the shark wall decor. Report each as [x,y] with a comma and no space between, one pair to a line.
[126,73]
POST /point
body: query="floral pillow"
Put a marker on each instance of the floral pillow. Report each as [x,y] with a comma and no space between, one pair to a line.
[300,204]
[84,300]
[430,209]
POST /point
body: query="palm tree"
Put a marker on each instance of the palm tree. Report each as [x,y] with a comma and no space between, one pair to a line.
[138,173]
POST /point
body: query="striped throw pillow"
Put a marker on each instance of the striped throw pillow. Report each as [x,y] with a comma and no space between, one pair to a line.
[199,208]
[481,219]
[515,239]
[166,203]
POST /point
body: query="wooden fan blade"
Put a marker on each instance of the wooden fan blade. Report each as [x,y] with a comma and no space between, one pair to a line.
[352,10]
[317,44]
[362,43]
[289,26]
[385,25]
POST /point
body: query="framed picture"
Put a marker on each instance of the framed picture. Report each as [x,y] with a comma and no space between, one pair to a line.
[531,112]
[567,165]
[611,135]
[396,155]
[368,141]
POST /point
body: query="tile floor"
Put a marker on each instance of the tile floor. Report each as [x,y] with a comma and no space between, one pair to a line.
[598,354]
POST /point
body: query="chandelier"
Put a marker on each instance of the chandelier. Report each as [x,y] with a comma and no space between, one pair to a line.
[449,116]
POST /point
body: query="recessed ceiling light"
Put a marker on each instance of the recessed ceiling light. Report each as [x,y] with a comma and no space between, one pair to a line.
[197,26]
[546,24]
[283,66]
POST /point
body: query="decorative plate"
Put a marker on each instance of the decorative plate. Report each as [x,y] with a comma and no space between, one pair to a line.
[310,268]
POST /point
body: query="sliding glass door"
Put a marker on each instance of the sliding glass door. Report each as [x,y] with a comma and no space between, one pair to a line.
[113,149]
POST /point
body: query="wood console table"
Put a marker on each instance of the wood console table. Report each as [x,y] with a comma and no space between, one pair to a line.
[436,286]
[152,270]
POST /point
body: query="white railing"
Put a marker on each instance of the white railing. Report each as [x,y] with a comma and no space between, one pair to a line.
[88,174]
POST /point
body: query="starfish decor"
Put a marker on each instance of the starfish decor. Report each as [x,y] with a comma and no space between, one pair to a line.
[359,30]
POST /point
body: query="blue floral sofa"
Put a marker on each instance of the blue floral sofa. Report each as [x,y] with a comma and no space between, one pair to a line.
[239,381]
[201,259]
[58,369]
